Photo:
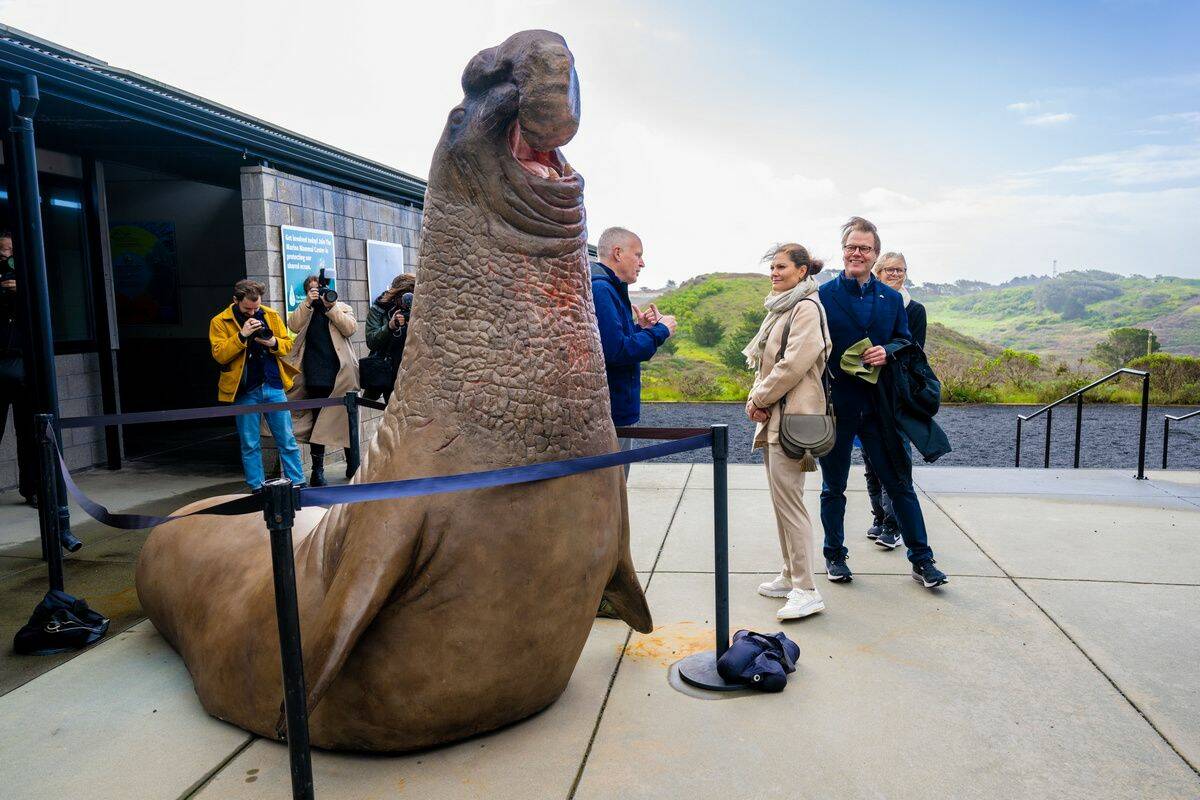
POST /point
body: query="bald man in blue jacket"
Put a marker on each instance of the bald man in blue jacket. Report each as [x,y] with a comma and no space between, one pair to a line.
[627,335]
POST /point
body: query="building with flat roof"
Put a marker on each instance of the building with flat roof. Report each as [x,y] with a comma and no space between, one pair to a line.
[154,202]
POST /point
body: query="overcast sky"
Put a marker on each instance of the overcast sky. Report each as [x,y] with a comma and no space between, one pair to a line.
[985,143]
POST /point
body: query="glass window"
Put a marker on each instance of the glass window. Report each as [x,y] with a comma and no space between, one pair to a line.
[71,312]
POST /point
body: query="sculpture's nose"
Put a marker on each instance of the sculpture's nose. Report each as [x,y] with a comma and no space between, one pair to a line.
[544,71]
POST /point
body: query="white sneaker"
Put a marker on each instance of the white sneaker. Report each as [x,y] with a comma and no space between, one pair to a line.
[776,588]
[801,603]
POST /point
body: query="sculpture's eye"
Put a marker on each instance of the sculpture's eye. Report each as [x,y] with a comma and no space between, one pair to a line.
[457,116]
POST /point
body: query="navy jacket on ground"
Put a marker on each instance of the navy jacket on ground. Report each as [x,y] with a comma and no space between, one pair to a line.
[625,345]
[888,322]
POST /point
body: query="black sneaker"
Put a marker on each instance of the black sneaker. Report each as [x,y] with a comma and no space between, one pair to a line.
[928,575]
[875,529]
[889,539]
[837,571]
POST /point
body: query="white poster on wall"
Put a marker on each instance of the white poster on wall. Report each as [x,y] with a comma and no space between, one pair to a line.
[385,261]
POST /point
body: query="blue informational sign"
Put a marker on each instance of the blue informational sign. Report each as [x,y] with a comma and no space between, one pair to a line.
[384,262]
[305,252]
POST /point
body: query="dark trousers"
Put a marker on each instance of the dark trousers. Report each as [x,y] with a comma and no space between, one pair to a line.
[881,502]
[317,393]
[14,393]
[835,470]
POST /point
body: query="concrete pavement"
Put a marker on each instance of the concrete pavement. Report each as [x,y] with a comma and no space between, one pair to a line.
[1059,662]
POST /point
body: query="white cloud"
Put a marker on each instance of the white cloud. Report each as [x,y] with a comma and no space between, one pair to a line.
[879,197]
[1024,107]
[1142,165]
[1048,119]
[1185,119]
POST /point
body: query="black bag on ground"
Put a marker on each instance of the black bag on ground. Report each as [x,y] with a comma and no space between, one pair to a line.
[60,623]
[377,374]
[759,660]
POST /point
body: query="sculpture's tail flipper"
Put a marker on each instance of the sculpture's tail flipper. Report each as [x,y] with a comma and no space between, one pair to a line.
[624,591]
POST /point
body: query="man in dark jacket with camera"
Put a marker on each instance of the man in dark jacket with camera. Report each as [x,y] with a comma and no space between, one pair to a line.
[628,335]
[13,390]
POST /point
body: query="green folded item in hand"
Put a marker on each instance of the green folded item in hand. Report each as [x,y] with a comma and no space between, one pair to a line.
[852,364]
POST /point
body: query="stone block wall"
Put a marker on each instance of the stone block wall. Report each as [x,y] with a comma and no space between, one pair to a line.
[272,198]
[78,395]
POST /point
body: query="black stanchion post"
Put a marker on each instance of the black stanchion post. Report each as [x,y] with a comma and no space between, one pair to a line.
[48,505]
[280,512]
[700,669]
[355,456]
[720,456]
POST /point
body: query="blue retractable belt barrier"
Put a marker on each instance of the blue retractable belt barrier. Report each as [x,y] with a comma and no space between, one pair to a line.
[179,414]
[414,487]
[387,490]
[133,522]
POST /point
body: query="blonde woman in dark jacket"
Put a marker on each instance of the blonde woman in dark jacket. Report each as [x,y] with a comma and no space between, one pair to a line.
[793,377]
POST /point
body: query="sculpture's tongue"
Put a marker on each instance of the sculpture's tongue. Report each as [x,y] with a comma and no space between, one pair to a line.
[542,164]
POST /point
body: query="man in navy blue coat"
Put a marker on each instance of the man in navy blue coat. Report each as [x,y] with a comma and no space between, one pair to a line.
[858,306]
[628,335]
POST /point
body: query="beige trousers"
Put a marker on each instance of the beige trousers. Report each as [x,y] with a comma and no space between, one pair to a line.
[786,479]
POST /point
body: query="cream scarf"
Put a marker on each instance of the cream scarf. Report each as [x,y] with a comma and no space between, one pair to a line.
[777,304]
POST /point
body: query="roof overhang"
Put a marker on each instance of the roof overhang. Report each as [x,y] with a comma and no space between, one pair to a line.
[94,84]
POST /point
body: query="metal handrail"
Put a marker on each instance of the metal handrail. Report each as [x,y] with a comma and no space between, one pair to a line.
[1077,395]
[1167,420]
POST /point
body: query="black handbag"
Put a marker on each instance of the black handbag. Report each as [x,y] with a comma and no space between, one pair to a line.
[807,434]
[377,374]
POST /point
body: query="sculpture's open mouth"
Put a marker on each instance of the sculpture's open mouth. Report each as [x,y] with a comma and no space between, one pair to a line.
[545,164]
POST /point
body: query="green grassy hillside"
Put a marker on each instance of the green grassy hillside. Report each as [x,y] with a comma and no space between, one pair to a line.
[1066,316]
[1024,342]
[698,372]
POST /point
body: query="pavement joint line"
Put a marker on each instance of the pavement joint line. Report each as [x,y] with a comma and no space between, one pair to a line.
[612,679]
[206,778]
[1116,687]
[1169,493]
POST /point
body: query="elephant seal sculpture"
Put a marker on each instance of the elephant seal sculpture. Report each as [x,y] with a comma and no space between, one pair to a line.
[429,619]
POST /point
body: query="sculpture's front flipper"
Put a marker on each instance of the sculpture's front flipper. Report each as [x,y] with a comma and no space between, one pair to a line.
[369,561]
[624,590]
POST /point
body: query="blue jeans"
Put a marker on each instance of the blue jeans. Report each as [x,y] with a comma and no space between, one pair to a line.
[835,470]
[280,423]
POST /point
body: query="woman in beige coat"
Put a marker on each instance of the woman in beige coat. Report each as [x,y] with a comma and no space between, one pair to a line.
[794,377]
[328,368]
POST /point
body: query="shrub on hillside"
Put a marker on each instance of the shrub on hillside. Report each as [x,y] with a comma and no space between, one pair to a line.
[731,349]
[1015,367]
[668,347]
[707,330]
[1124,344]
[1173,379]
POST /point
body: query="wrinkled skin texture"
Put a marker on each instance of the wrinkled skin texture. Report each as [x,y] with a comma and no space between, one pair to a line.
[425,620]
